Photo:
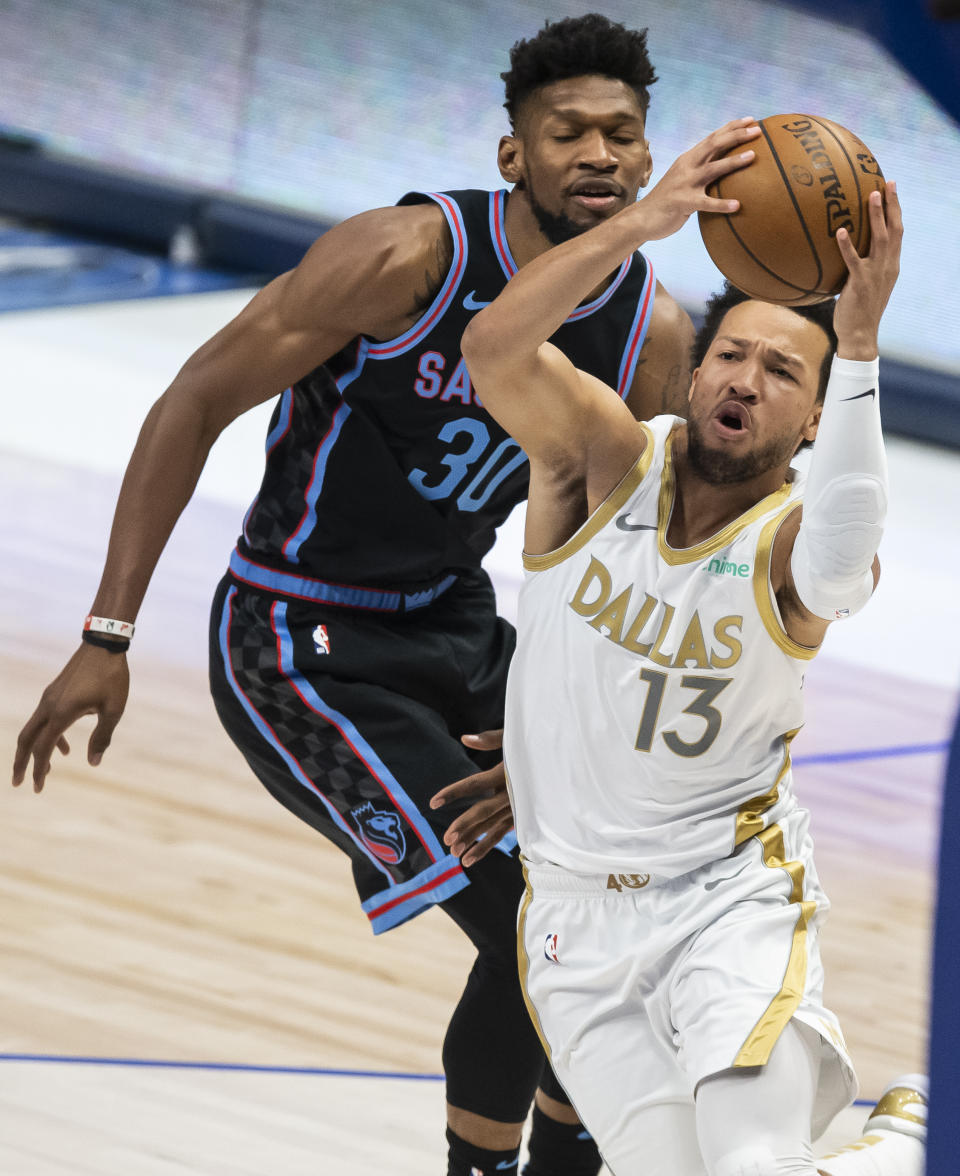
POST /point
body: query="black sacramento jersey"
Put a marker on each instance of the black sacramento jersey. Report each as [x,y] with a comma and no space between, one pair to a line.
[385,475]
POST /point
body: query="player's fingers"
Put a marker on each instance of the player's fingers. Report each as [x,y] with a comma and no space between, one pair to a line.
[100,739]
[42,752]
[879,233]
[850,256]
[480,849]
[892,207]
[740,130]
[468,826]
[63,746]
[25,742]
[484,740]
[37,740]
[716,169]
[467,789]
[713,204]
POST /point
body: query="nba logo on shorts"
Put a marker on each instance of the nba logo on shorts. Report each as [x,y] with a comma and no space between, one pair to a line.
[550,948]
[321,639]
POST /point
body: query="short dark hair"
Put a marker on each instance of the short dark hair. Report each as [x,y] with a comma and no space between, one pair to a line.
[820,313]
[572,48]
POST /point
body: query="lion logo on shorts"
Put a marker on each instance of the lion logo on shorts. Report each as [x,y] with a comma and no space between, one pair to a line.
[381,833]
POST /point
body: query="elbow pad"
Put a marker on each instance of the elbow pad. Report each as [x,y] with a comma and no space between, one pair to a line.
[845,501]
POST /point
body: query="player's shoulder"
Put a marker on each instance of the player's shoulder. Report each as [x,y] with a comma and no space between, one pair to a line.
[384,250]
[668,316]
[407,229]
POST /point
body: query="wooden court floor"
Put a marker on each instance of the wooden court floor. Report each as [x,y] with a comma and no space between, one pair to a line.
[164,907]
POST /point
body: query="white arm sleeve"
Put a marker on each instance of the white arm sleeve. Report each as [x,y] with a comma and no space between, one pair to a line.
[845,501]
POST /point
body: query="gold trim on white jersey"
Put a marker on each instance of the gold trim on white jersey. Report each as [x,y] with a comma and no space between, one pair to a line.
[761,1039]
[750,816]
[682,555]
[601,516]
[762,590]
[523,960]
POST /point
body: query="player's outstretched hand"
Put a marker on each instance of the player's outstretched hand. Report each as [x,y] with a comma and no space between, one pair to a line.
[477,830]
[93,682]
[871,279]
[682,190]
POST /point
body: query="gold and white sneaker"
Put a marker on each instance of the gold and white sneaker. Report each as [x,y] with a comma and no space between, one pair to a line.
[894,1137]
[902,1107]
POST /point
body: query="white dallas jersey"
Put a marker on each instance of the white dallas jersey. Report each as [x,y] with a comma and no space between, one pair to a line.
[654,692]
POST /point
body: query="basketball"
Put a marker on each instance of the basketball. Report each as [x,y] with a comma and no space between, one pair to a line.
[810,178]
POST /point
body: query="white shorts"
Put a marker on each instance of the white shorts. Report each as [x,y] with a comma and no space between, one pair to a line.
[641,987]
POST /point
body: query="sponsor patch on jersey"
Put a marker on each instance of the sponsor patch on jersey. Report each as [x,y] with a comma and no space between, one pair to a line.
[381,832]
[321,639]
[723,567]
[550,947]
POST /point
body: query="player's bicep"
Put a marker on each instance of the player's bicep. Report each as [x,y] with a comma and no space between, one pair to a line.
[359,278]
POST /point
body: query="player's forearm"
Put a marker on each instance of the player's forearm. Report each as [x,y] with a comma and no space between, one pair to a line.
[540,297]
[845,499]
[160,479]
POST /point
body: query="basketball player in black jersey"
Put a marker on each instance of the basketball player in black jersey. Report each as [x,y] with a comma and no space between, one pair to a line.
[354,638]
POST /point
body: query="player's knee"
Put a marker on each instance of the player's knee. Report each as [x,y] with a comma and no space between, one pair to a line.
[758,1159]
[754,1160]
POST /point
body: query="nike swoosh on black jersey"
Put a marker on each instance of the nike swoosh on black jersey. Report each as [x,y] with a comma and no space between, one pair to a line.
[470,303]
[860,395]
[625,526]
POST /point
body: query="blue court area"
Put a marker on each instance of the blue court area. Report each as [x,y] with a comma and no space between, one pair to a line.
[42,267]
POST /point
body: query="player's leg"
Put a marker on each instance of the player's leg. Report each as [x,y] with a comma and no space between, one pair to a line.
[767,1057]
[559,1141]
[492,1057]
[756,1121]
[591,958]
[491,1022]
[359,761]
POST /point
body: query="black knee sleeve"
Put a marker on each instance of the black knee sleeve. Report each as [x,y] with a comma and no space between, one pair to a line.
[492,1056]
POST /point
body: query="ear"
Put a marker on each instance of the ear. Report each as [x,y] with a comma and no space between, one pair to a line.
[648,168]
[693,384]
[510,158]
[812,424]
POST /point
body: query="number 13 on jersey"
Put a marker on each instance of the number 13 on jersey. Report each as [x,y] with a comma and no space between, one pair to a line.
[701,705]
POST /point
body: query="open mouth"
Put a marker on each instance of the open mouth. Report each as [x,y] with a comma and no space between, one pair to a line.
[731,419]
[596,194]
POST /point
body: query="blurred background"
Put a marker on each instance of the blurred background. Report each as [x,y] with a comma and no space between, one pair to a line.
[330,109]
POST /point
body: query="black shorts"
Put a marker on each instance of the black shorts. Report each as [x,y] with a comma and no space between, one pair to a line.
[352,720]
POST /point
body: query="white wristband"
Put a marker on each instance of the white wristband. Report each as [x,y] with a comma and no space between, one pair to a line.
[105,625]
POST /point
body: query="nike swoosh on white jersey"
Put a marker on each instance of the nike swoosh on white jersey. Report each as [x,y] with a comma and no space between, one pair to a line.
[624,525]
[470,303]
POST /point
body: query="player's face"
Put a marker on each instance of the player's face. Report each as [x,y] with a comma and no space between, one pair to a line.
[753,400]
[579,153]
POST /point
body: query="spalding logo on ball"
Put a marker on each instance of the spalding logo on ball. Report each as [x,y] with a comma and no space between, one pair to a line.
[810,178]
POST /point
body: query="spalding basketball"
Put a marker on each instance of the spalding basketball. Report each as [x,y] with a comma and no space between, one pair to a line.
[810,178]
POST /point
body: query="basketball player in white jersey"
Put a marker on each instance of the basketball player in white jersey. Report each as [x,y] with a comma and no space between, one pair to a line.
[679,577]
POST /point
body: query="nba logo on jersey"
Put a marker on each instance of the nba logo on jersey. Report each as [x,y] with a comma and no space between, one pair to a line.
[321,639]
[550,948]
